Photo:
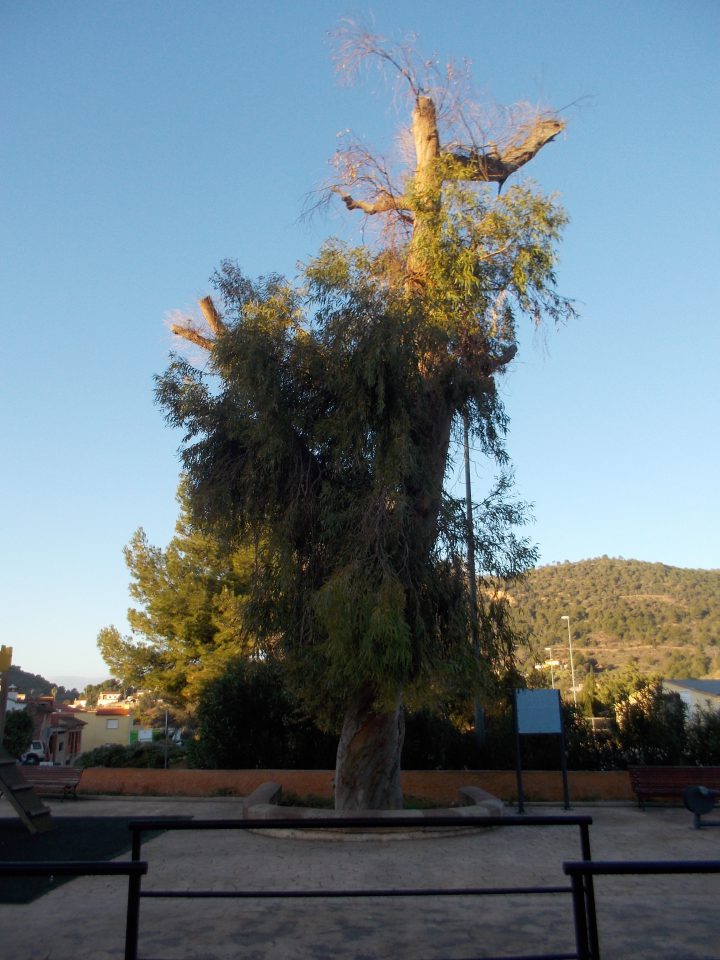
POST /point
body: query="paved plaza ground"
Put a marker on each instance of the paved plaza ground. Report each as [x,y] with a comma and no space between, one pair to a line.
[639,917]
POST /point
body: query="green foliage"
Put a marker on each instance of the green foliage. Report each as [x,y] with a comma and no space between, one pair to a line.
[663,620]
[247,719]
[189,618]
[703,737]
[317,436]
[484,243]
[18,732]
[584,749]
[151,755]
[434,742]
[652,725]
[32,684]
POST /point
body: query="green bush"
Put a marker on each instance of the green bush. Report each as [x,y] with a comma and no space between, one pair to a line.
[703,737]
[651,726]
[149,755]
[18,732]
[585,750]
[434,743]
[248,720]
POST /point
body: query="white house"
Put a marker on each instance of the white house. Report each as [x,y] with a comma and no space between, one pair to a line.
[695,694]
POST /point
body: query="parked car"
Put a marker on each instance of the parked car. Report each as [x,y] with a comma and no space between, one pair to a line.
[35,753]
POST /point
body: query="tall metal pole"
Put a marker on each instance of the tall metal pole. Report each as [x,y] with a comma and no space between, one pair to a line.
[572,664]
[472,578]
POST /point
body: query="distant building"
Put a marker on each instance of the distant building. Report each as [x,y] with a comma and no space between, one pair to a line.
[107,726]
[15,700]
[695,694]
[109,698]
[58,727]
[64,735]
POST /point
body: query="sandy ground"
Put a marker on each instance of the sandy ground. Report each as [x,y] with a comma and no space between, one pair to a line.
[639,917]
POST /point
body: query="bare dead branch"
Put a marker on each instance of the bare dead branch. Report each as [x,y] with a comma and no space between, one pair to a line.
[381,204]
[213,318]
[356,44]
[496,166]
[193,335]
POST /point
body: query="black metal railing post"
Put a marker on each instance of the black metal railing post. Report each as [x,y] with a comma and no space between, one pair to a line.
[584,870]
[588,886]
[133,870]
[579,897]
[132,921]
[137,841]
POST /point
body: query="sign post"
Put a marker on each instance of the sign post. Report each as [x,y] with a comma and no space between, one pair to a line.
[538,711]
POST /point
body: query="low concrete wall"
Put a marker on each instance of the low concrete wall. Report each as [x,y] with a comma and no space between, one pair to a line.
[439,785]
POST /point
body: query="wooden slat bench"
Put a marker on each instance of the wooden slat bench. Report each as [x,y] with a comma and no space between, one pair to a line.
[668,783]
[52,781]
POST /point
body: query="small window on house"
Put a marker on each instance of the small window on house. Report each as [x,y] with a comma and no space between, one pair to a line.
[111,724]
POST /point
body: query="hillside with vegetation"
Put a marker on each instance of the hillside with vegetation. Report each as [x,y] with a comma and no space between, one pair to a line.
[661,619]
[34,685]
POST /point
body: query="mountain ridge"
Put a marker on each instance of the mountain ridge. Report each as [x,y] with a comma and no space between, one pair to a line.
[663,619]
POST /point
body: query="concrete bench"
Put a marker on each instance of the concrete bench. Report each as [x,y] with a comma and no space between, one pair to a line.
[52,781]
[669,783]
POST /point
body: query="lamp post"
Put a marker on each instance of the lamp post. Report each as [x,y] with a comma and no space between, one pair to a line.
[572,664]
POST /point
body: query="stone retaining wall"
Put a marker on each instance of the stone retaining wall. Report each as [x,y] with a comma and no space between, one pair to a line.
[439,785]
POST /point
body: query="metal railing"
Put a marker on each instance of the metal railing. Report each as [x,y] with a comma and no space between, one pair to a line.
[140,826]
[581,875]
[133,870]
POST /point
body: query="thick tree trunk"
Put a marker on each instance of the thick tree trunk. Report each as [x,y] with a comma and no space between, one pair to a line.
[367,772]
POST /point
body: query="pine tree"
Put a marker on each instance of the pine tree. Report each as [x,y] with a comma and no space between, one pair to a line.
[189,620]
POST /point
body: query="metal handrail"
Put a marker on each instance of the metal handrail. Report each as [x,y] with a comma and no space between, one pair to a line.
[142,825]
[132,869]
[581,875]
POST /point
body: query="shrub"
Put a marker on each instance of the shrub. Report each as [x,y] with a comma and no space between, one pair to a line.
[651,726]
[435,743]
[18,732]
[247,719]
[149,755]
[703,737]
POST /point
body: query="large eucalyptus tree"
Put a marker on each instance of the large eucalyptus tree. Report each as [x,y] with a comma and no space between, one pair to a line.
[321,426]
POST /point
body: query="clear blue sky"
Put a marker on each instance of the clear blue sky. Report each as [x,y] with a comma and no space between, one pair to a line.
[144,142]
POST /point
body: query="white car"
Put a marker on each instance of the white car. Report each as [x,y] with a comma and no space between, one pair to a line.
[35,753]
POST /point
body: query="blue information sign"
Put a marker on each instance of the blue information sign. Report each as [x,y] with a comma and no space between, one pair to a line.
[538,711]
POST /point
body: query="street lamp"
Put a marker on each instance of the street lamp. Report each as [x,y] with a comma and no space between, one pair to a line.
[572,664]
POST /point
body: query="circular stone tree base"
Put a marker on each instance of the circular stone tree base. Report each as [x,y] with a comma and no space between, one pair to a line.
[262,804]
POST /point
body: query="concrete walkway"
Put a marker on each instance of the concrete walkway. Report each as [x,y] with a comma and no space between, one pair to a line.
[643,917]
